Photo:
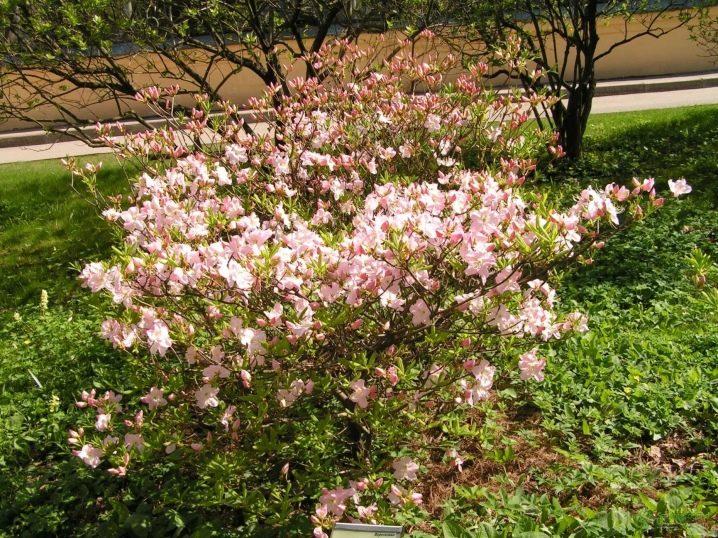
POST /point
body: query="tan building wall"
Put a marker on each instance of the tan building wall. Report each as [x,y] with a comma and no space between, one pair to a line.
[674,53]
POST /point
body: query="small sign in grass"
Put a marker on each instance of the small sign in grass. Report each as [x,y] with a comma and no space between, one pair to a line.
[360,530]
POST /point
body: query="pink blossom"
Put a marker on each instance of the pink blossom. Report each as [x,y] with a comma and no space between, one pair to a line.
[274,315]
[367,512]
[392,375]
[288,396]
[118,471]
[110,440]
[432,123]
[227,416]
[206,396]
[90,455]
[134,440]
[399,496]
[455,459]
[531,366]
[362,393]
[94,276]
[405,469]
[406,151]
[103,421]
[118,334]
[158,338]
[679,187]
[246,378]
[335,500]
[484,378]
[154,398]
[215,370]
[420,314]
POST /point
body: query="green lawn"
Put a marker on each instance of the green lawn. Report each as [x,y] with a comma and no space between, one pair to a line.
[47,224]
[620,440]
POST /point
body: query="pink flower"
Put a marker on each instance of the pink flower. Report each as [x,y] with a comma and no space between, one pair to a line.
[134,440]
[274,316]
[118,471]
[119,335]
[235,154]
[484,375]
[387,153]
[94,276]
[395,495]
[367,512]
[102,422]
[362,393]
[531,366]
[456,460]
[237,276]
[392,376]
[432,123]
[647,185]
[246,378]
[206,396]
[154,398]
[679,187]
[110,440]
[287,397]
[405,469]
[399,496]
[406,151]
[420,314]
[90,455]
[227,416]
[215,370]
[158,337]
[335,500]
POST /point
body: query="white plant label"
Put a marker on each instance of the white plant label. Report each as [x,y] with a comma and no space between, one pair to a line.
[360,530]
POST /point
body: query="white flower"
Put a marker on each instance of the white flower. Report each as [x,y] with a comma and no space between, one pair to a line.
[679,187]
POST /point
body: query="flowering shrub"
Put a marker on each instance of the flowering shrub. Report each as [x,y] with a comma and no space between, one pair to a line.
[315,298]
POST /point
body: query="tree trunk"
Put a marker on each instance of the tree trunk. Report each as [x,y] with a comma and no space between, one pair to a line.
[571,119]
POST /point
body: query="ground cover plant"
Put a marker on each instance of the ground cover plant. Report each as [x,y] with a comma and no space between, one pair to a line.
[639,380]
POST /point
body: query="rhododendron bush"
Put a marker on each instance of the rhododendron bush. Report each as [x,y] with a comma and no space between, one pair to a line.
[310,301]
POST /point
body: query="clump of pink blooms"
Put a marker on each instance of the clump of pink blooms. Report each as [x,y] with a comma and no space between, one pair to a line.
[373,247]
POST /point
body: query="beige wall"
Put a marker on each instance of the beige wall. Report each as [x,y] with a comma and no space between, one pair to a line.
[674,53]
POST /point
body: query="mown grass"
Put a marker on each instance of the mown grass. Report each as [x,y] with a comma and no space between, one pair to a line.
[620,440]
[46,225]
